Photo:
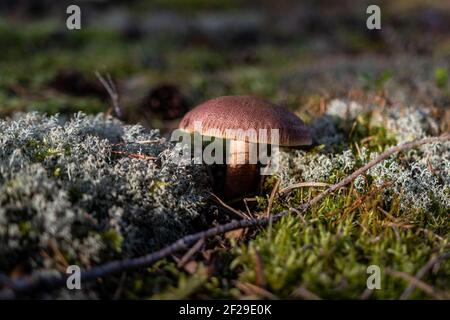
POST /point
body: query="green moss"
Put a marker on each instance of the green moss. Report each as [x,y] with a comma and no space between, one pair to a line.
[196,59]
[42,150]
[113,239]
[330,252]
[254,80]
[25,228]
[441,77]
[157,185]
[376,81]
[376,137]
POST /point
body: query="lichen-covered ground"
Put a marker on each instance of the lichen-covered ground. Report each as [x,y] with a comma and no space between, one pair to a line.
[86,188]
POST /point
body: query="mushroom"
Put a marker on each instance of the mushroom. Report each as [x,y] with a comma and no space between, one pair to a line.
[249,114]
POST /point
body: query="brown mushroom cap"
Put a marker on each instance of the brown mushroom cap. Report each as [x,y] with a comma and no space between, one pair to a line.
[247,112]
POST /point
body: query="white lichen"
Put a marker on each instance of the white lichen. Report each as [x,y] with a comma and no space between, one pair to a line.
[345,110]
[420,178]
[61,183]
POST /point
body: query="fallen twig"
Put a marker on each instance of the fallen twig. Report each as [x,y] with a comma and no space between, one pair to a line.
[38,281]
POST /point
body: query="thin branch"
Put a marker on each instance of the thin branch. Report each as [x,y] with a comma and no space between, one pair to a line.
[35,282]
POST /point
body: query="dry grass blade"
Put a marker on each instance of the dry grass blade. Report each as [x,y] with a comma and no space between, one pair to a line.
[229,208]
[251,289]
[110,87]
[137,142]
[259,270]
[272,197]
[366,294]
[247,208]
[302,185]
[119,289]
[197,246]
[302,292]
[148,141]
[134,155]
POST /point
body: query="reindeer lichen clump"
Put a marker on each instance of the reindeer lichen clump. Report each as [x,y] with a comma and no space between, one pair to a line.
[420,180]
[65,190]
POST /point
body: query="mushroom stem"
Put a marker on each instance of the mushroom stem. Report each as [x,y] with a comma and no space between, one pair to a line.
[242,176]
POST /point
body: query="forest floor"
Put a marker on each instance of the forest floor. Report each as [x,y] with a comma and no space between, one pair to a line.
[72,191]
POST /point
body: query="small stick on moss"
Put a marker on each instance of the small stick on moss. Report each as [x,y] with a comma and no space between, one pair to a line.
[38,281]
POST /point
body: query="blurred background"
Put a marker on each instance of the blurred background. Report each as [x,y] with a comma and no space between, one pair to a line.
[166,56]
